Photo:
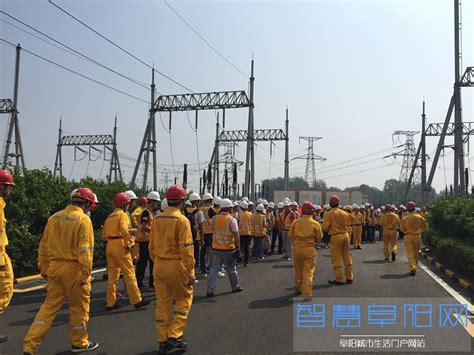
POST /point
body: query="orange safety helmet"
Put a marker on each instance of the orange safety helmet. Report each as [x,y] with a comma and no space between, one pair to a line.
[411,205]
[176,193]
[85,193]
[121,200]
[334,200]
[142,201]
[6,178]
[307,207]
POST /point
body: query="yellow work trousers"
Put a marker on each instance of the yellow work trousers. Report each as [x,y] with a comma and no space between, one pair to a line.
[304,259]
[356,235]
[120,259]
[389,238]
[341,257]
[6,283]
[171,283]
[64,281]
[412,245]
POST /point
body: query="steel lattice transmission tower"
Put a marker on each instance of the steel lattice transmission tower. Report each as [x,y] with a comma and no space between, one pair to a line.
[310,171]
[409,156]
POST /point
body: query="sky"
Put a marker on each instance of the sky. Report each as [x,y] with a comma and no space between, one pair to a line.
[351,72]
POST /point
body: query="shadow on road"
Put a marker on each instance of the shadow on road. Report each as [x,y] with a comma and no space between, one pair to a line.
[278,302]
[375,262]
[283,266]
[394,276]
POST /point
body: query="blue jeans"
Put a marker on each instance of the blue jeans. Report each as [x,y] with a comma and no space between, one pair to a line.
[257,250]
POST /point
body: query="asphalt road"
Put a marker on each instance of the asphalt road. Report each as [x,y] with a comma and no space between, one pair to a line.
[259,320]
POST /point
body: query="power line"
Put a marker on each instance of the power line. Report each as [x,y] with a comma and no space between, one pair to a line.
[356,172]
[75,72]
[119,47]
[81,55]
[204,40]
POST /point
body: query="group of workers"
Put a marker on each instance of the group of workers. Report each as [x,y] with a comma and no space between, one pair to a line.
[181,234]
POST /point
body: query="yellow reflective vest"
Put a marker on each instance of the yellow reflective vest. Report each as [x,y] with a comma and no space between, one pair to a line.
[245,223]
[223,238]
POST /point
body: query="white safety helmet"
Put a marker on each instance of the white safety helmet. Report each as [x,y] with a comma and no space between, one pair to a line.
[188,203]
[382,208]
[367,204]
[286,204]
[235,204]
[73,192]
[153,195]
[402,207]
[264,202]
[194,197]
[259,201]
[164,204]
[244,204]
[294,203]
[131,195]
[280,205]
[286,199]
[417,209]
[260,208]
[96,200]
[218,201]
[225,203]
[250,203]
[246,199]
[207,196]
[317,207]
[355,206]
[271,205]
[362,207]
[327,206]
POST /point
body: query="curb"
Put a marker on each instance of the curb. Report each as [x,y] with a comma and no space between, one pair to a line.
[463,283]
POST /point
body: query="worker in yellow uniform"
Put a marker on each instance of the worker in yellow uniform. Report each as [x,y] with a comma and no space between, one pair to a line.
[357,225]
[390,224]
[119,240]
[305,233]
[348,209]
[245,230]
[137,212]
[6,270]
[259,232]
[335,223]
[171,248]
[209,212]
[65,259]
[412,225]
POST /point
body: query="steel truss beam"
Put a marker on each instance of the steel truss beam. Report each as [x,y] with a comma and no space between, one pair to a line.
[259,135]
[100,139]
[435,129]
[6,106]
[201,101]
[467,78]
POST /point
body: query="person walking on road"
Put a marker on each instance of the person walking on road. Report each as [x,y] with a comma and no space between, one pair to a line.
[336,222]
[119,242]
[305,233]
[245,230]
[259,232]
[65,259]
[412,225]
[225,248]
[6,270]
[209,212]
[172,251]
[196,220]
[357,226]
[289,217]
[390,224]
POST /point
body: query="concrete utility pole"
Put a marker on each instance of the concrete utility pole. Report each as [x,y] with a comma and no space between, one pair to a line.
[287,154]
[423,156]
[250,153]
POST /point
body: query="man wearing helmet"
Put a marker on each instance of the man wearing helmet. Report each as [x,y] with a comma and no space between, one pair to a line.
[6,270]
[289,217]
[65,258]
[276,231]
[171,248]
[137,212]
[117,233]
[336,222]
[209,212]
[390,224]
[245,230]
[143,239]
[196,219]
[259,232]
[412,225]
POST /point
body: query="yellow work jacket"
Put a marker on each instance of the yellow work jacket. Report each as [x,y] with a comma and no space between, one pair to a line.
[143,235]
[259,225]
[358,218]
[117,224]
[223,238]
[207,225]
[305,232]
[335,221]
[171,239]
[135,216]
[245,223]
[68,236]
[270,219]
[413,224]
[3,231]
[278,220]
[389,221]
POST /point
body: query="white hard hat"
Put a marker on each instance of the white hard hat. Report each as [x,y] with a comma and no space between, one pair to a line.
[225,203]
[383,207]
[264,202]
[280,205]
[362,207]
[286,199]
[317,207]
[96,200]
[188,203]
[367,204]
[327,206]
[250,203]
[245,199]
[207,196]
[131,195]
[164,204]
[260,207]
[286,204]
[355,206]
[153,195]
[73,192]
[402,207]
[417,209]
[259,201]
[244,204]
[235,204]
[271,205]
[218,200]
[194,197]
[294,203]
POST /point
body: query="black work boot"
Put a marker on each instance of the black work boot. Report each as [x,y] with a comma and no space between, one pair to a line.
[142,303]
[176,345]
[3,338]
[394,256]
[164,347]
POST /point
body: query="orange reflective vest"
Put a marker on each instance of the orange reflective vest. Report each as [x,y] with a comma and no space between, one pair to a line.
[223,238]
[207,225]
[245,223]
[259,225]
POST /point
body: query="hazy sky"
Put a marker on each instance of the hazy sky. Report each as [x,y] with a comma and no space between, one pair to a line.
[351,72]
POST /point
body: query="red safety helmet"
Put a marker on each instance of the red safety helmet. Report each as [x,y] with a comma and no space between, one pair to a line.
[411,205]
[334,200]
[142,201]
[307,207]
[85,193]
[6,178]
[388,207]
[175,192]
[121,200]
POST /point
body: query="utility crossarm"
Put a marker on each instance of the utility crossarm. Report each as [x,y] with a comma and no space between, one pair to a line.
[100,139]
[259,135]
[467,78]
[201,101]
[435,129]
[6,106]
